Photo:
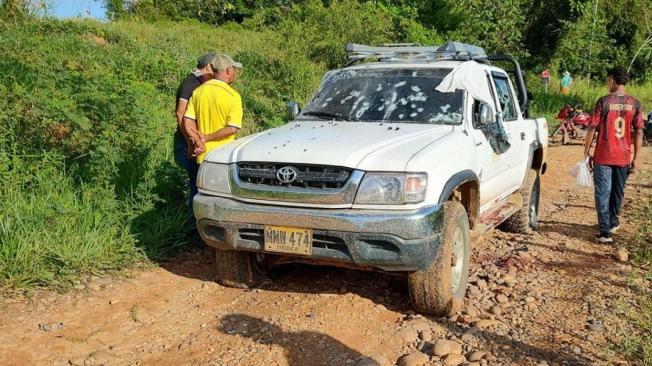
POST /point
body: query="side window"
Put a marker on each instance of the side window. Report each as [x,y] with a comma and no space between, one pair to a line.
[505,97]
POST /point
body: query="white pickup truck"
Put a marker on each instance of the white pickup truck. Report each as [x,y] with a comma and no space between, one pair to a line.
[398,163]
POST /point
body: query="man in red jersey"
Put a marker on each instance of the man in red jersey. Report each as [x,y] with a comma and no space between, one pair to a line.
[614,118]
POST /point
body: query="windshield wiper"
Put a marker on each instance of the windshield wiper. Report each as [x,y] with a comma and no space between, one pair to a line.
[325,115]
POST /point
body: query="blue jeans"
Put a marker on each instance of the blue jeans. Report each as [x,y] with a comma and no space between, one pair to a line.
[190,165]
[609,192]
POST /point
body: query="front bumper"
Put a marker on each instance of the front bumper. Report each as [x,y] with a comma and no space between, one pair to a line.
[388,240]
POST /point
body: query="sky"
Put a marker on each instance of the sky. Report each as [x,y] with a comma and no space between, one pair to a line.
[74,8]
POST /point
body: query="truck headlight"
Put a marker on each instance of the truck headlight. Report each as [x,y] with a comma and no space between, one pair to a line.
[214,177]
[392,188]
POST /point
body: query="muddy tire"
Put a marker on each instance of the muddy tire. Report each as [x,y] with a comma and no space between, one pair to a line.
[239,269]
[440,289]
[527,218]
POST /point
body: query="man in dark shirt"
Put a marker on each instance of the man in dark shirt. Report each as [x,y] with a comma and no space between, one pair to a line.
[183,147]
[616,117]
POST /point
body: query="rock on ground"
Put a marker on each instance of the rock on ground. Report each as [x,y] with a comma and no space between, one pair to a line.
[413,359]
[445,347]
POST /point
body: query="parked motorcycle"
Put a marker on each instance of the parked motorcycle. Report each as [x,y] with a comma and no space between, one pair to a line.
[573,124]
[647,131]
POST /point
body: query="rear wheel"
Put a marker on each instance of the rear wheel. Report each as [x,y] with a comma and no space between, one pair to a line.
[240,269]
[527,218]
[440,289]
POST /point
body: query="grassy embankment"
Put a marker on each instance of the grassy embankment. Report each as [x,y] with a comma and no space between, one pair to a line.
[89,183]
[86,159]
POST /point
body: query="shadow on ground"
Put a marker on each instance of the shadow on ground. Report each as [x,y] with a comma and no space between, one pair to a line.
[302,348]
[381,288]
[569,229]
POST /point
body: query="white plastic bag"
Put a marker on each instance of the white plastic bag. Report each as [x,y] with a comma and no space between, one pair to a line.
[582,173]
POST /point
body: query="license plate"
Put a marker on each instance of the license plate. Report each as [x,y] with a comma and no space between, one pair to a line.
[289,240]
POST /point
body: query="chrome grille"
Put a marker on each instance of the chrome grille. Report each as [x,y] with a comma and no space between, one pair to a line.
[307,176]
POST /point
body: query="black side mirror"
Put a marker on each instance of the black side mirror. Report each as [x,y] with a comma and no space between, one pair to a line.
[293,109]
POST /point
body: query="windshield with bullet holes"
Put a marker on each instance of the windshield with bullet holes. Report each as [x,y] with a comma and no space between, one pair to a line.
[386,95]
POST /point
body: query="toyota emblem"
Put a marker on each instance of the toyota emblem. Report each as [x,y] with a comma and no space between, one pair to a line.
[287,174]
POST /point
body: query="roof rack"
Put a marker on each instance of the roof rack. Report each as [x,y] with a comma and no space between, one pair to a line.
[414,52]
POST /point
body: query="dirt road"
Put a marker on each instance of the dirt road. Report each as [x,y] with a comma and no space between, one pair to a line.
[549,298]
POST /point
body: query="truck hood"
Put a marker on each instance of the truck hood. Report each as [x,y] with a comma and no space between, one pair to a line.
[357,145]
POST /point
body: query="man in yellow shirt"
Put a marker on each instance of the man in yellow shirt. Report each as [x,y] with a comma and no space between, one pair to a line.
[214,113]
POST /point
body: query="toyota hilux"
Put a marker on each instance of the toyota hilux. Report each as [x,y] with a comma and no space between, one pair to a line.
[398,163]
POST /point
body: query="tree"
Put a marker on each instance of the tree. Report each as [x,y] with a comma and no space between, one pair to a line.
[605,34]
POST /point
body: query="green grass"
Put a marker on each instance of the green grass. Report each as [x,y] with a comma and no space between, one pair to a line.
[636,341]
[52,230]
[636,336]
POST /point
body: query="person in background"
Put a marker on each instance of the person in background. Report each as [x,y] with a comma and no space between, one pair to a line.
[615,116]
[545,78]
[183,147]
[214,113]
[565,84]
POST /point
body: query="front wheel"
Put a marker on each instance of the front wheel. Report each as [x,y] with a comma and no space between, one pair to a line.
[239,269]
[440,289]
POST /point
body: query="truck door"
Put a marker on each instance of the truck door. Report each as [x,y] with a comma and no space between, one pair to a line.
[515,127]
[491,164]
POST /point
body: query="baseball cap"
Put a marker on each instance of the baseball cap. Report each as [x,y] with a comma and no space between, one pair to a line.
[205,59]
[222,62]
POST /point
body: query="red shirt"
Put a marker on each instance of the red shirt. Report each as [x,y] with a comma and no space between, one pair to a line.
[614,117]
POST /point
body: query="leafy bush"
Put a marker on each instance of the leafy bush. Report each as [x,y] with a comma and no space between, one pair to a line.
[212,12]
[320,32]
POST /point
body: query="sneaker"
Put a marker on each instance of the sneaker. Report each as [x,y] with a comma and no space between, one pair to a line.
[604,238]
[614,229]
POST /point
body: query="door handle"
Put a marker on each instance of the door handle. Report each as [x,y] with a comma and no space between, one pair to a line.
[522,135]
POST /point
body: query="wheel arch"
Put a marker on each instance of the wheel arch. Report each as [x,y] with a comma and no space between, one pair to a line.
[538,160]
[464,186]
